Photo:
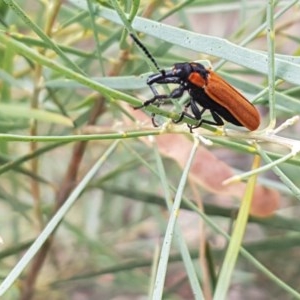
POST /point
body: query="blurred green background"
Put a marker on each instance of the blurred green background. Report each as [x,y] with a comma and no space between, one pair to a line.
[107,245]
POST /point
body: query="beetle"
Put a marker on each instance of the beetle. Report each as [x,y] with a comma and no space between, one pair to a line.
[206,89]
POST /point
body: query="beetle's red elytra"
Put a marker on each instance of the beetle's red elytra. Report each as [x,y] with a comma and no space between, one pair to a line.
[228,97]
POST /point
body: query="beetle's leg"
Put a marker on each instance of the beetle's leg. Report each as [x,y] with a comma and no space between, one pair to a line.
[217,121]
[153,120]
[152,100]
[195,110]
[198,115]
[176,93]
[184,113]
[156,97]
[217,118]
[153,115]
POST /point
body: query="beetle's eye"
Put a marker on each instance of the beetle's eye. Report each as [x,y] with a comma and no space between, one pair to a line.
[177,71]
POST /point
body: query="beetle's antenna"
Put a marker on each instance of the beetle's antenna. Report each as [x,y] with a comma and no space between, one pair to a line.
[146,51]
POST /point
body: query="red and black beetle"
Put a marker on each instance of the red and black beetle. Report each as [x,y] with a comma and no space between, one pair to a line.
[206,89]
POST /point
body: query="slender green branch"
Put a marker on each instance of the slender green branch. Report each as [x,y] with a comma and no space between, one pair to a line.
[271,62]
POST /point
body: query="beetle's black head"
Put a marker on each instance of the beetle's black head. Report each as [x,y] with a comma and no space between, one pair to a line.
[184,70]
[180,74]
